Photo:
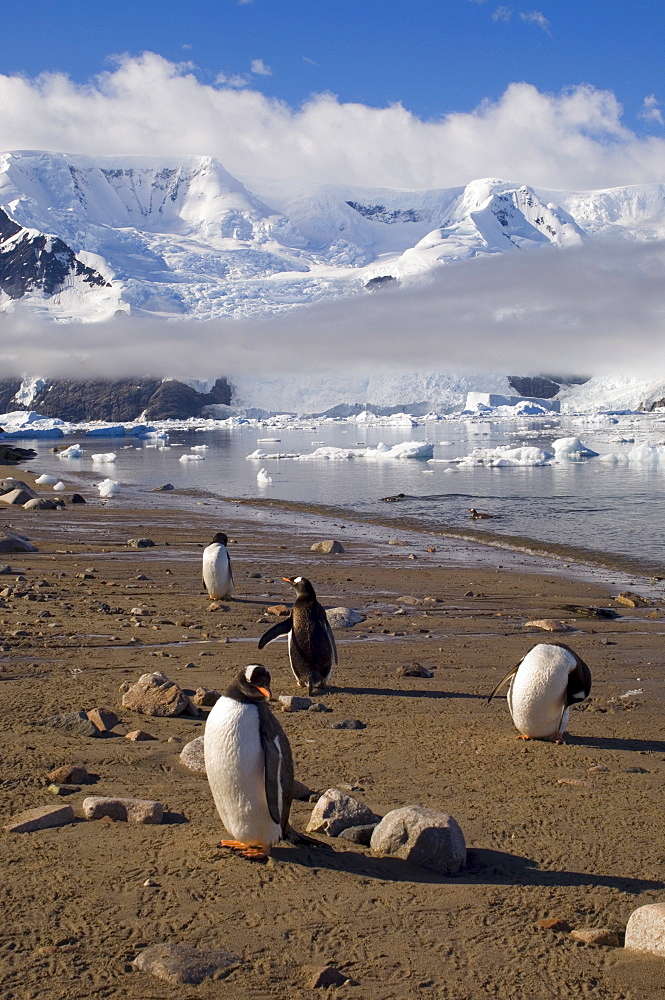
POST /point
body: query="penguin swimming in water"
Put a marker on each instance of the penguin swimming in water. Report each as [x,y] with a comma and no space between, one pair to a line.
[543,685]
[217,572]
[250,767]
[312,649]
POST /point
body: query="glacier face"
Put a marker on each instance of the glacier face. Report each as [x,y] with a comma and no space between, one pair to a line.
[87,237]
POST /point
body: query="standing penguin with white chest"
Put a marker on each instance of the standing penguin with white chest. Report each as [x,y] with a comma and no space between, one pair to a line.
[250,767]
[312,649]
[543,685]
[217,572]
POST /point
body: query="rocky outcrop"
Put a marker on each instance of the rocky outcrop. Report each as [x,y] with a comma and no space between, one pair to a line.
[121,400]
[32,261]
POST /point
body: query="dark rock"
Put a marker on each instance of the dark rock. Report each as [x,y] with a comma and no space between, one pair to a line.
[414,670]
[179,964]
[76,498]
[359,834]
[535,386]
[326,976]
[76,723]
[11,542]
[586,612]
[348,724]
[140,543]
[166,488]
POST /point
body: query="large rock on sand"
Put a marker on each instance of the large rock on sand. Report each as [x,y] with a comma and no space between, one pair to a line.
[425,837]
[645,930]
[155,694]
[336,811]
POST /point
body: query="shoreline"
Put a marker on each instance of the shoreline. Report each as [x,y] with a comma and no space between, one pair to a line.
[569,831]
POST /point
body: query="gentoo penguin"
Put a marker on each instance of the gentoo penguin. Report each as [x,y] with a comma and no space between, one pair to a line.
[217,572]
[249,767]
[477,515]
[312,649]
[549,679]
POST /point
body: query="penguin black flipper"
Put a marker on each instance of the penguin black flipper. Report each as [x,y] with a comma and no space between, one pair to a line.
[281,628]
[278,766]
[579,678]
[511,673]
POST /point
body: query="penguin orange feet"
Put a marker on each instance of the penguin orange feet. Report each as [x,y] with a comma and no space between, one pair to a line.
[255,852]
[523,737]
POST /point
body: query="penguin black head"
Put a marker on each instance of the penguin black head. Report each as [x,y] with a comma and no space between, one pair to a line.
[220,538]
[252,683]
[303,587]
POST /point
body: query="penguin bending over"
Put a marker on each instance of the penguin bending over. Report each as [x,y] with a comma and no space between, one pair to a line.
[250,767]
[312,649]
[217,572]
[543,685]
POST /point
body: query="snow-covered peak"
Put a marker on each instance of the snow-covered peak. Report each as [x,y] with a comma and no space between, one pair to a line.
[179,195]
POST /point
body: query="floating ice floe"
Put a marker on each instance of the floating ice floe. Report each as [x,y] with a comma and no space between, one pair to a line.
[45,480]
[109,488]
[262,478]
[59,486]
[200,447]
[104,456]
[571,449]
[74,451]
[500,457]
[192,458]
[22,424]
[407,449]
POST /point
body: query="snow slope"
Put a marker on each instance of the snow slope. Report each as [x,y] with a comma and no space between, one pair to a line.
[182,237]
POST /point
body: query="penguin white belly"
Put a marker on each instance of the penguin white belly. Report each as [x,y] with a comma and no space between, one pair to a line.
[235,765]
[537,694]
[217,571]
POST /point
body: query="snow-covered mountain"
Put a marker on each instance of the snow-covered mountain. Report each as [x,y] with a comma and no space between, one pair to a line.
[86,238]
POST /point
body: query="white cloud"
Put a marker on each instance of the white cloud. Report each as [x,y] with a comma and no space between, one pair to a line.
[502,14]
[537,18]
[312,62]
[259,68]
[573,139]
[235,80]
[651,110]
[596,309]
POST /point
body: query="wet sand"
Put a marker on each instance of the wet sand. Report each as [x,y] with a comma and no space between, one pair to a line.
[75,910]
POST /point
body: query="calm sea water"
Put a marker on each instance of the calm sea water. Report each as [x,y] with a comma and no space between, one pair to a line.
[613,511]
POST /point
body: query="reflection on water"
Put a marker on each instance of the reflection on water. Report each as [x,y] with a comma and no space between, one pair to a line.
[607,508]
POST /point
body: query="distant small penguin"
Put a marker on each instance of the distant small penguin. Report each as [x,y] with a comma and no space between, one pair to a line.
[250,767]
[543,685]
[312,649]
[217,572]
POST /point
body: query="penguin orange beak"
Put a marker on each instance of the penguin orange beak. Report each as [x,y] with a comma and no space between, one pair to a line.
[265,692]
[288,579]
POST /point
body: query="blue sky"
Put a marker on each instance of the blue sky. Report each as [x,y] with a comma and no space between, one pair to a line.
[433,57]
[562,95]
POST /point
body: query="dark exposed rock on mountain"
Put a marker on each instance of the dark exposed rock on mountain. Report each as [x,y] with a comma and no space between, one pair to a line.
[543,386]
[31,261]
[121,400]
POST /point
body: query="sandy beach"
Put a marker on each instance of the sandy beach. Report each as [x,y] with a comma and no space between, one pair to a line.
[572,832]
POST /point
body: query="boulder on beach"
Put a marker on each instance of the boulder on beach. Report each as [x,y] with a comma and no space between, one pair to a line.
[328,546]
[155,694]
[425,837]
[336,811]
